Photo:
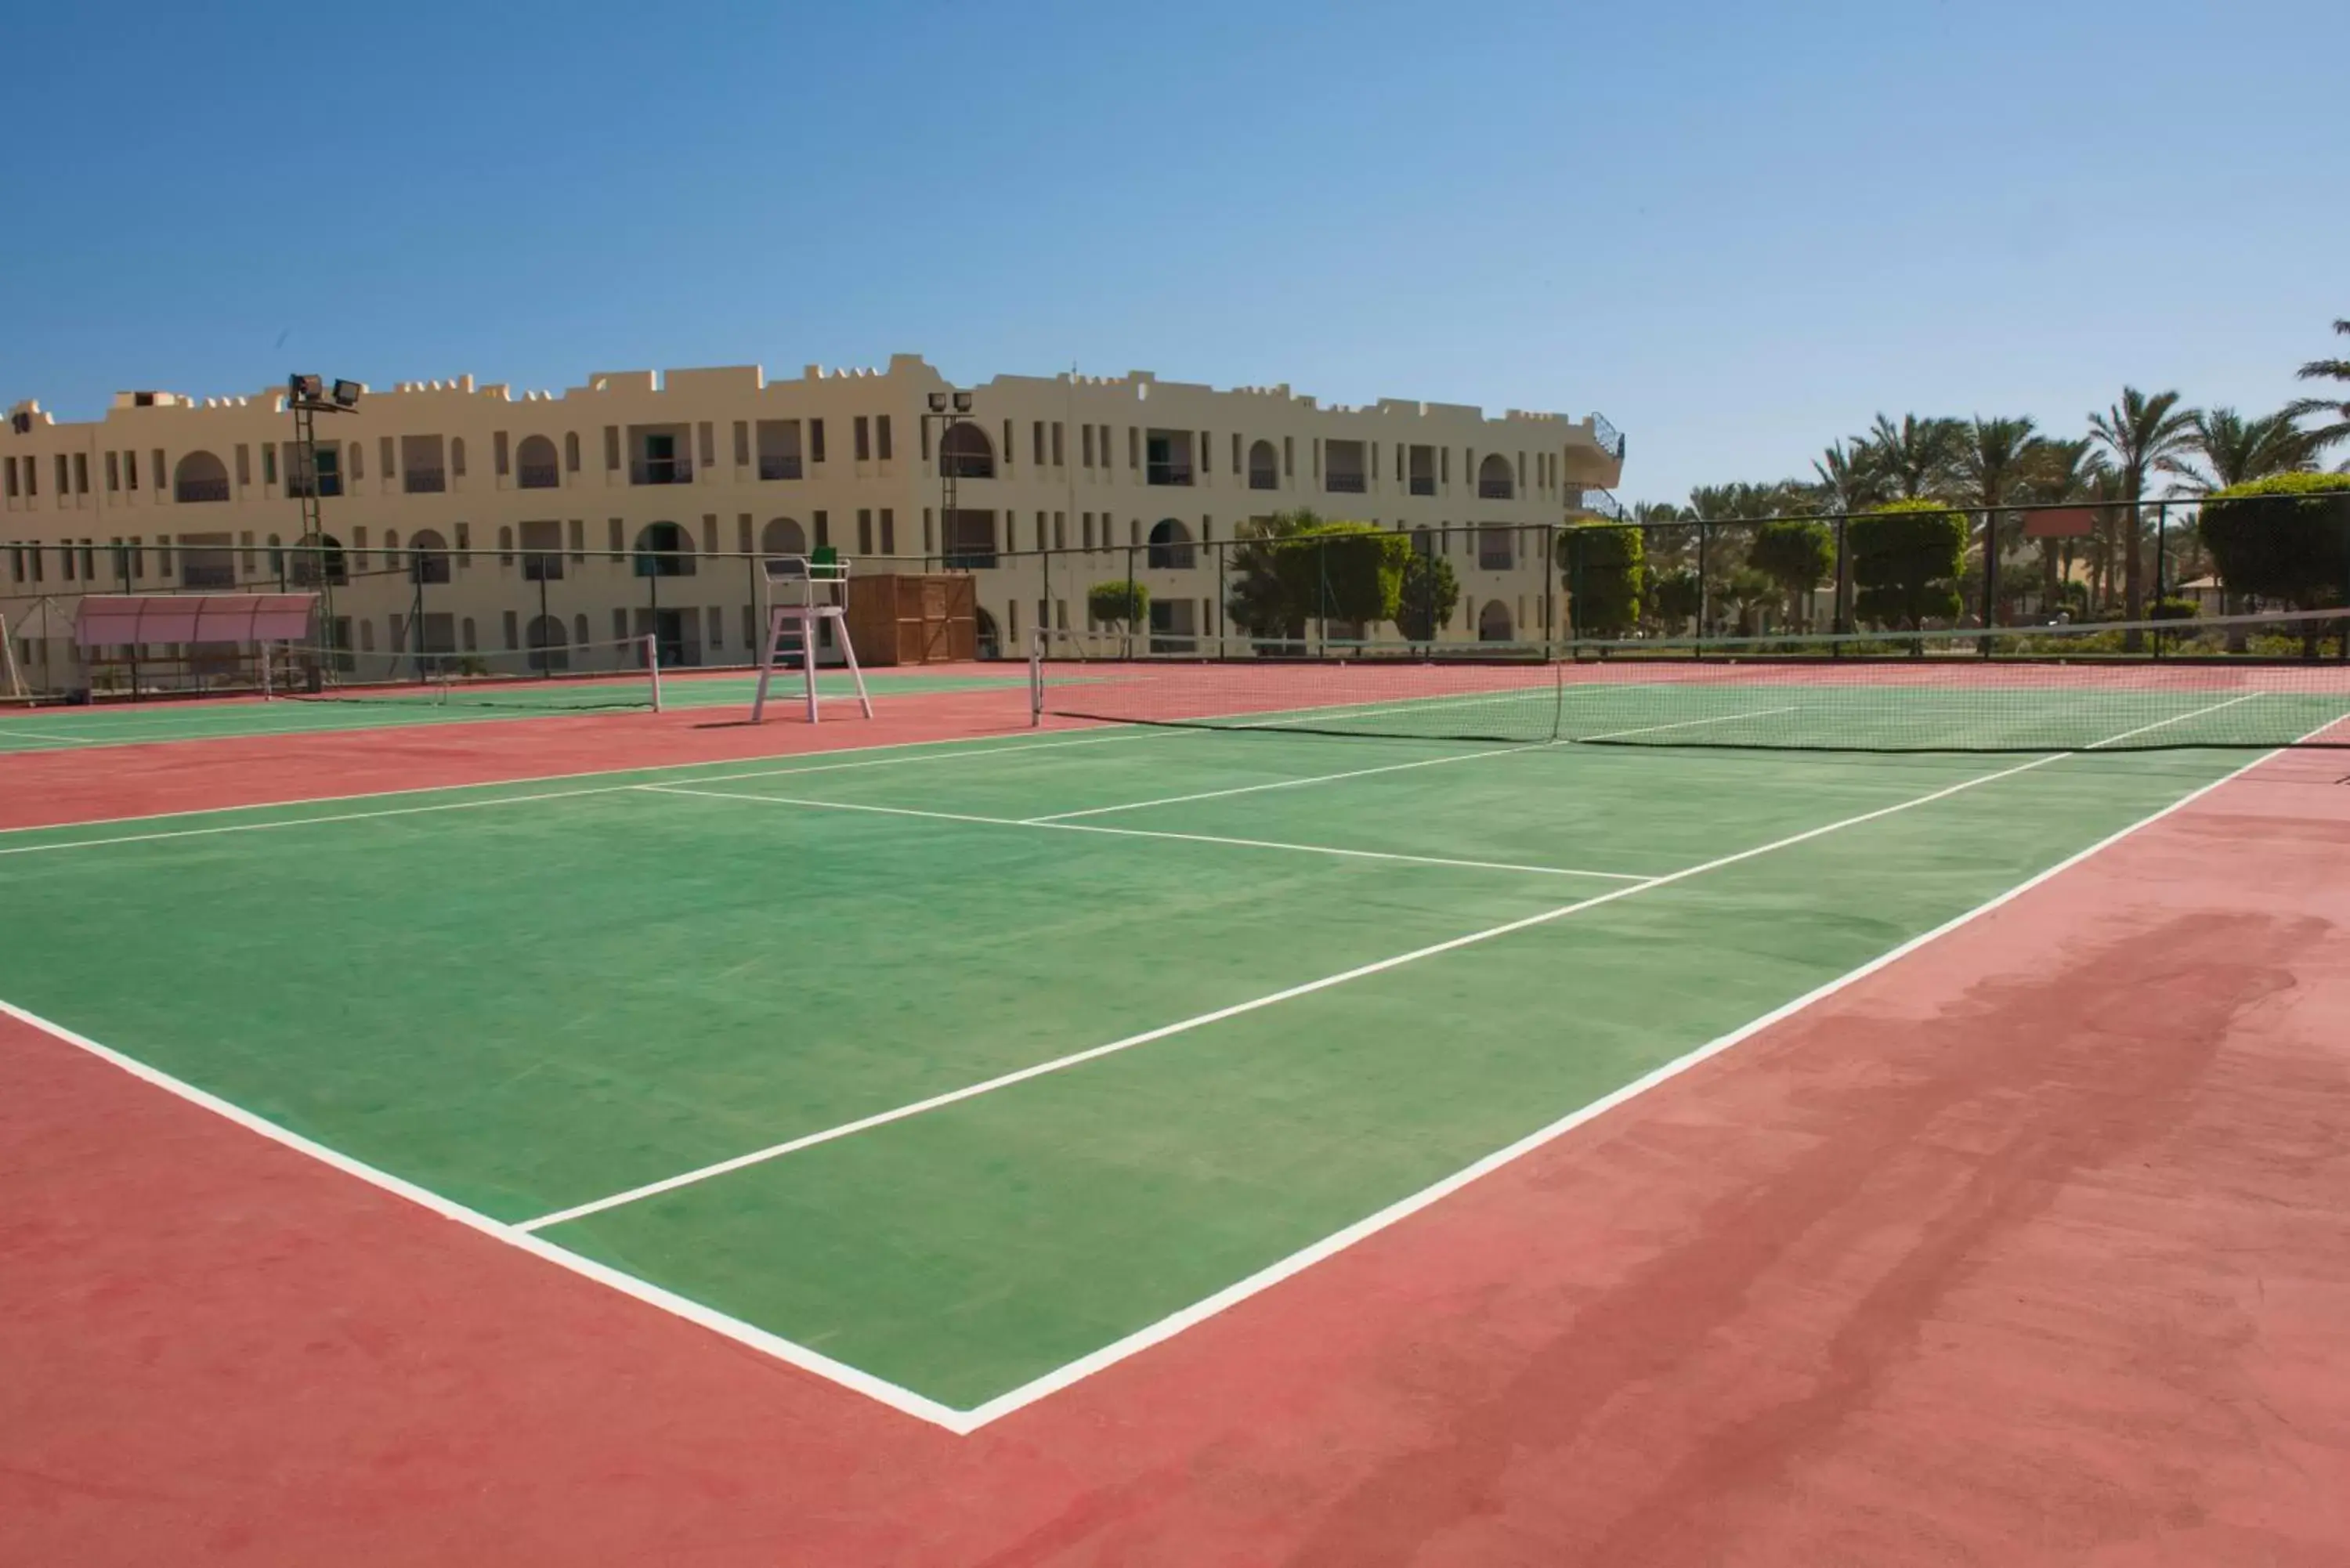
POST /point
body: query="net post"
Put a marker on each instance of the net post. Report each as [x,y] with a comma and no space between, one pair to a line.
[653,663]
[1036,677]
[1990,576]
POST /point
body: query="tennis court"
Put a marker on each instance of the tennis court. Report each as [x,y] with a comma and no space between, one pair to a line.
[392,703]
[955,1073]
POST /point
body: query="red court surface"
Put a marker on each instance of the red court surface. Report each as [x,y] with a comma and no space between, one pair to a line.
[2031,1248]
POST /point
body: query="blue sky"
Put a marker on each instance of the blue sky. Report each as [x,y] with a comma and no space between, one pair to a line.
[1737,230]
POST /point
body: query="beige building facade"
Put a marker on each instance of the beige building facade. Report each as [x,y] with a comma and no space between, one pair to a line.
[464,518]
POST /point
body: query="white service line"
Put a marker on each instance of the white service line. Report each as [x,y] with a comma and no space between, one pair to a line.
[513,799]
[1140,832]
[1688,724]
[13,732]
[1283,783]
[1290,993]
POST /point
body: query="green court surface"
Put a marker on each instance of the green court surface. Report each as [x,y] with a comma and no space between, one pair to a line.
[532,1000]
[123,725]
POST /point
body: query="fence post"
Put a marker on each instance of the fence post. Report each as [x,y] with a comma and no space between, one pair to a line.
[1840,604]
[1990,576]
[1704,586]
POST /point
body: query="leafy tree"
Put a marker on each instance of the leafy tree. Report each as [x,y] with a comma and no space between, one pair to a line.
[1295,567]
[1747,591]
[1431,592]
[1675,597]
[1121,607]
[1606,568]
[2286,537]
[1795,556]
[1905,560]
[2234,449]
[2145,435]
[2338,413]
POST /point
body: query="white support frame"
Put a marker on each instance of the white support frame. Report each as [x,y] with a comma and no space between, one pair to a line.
[8,660]
[804,595]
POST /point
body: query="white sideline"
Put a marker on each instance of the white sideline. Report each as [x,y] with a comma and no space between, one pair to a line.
[1286,783]
[1046,825]
[1290,993]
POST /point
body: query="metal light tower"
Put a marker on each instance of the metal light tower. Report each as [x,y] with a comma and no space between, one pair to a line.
[307,397]
[948,409]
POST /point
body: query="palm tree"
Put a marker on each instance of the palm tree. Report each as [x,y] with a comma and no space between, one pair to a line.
[1994,463]
[2234,449]
[2144,434]
[1915,457]
[1847,480]
[2326,436]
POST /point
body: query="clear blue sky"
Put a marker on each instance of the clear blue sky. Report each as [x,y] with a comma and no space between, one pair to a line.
[1737,230]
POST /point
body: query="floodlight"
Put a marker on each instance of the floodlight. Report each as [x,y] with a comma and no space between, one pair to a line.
[962,403]
[305,388]
[938,402]
[347,394]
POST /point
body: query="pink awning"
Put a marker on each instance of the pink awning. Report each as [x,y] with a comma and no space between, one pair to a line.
[114,619]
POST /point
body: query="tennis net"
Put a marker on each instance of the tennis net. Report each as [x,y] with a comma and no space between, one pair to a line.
[577,676]
[2252,682]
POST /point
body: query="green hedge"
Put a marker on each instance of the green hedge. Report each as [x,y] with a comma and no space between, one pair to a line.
[2283,537]
[1906,557]
[1605,568]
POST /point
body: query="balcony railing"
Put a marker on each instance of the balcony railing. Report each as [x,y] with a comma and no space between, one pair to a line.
[1343,483]
[538,476]
[779,466]
[542,566]
[967,465]
[1494,560]
[207,574]
[1169,473]
[1495,490]
[661,471]
[1599,502]
[1611,440]
[970,557]
[1423,484]
[424,480]
[1263,479]
[299,485]
[200,490]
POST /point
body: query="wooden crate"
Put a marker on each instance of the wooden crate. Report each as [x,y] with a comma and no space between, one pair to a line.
[911,618]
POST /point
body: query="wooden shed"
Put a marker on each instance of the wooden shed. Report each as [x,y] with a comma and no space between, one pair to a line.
[912,619]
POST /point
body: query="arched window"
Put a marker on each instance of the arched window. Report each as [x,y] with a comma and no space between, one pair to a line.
[990,645]
[1170,547]
[428,557]
[664,550]
[535,463]
[781,536]
[547,647]
[199,477]
[1263,466]
[1496,481]
[1494,622]
[964,452]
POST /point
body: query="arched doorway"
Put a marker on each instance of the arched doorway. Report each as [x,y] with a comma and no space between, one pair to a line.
[664,550]
[548,649]
[1170,547]
[1496,481]
[965,452]
[428,557]
[781,536]
[1263,467]
[199,477]
[318,556]
[534,464]
[1494,622]
[990,646]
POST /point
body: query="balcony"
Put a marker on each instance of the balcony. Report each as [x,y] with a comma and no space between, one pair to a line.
[301,486]
[1263,479]
[542,566]
[1610,439]
[538,476]
[661,471]
[1423,484]
[198,489]
[207,573]
[779,466]
[1495,490]
[1169,472]
[967,464]
[1343,483]
[424,480]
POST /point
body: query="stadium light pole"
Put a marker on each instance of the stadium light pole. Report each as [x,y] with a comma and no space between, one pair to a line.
[307,397]
[947,409]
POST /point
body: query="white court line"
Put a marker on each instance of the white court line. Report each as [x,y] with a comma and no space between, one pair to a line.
[1236,1010]
[1687,723]
[1283,783]
[964,1422]
[12,731]
[1140,832]
[514,799]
